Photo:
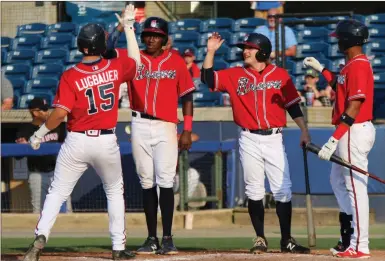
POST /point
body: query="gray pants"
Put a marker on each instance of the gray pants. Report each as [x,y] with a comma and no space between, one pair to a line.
[39,183]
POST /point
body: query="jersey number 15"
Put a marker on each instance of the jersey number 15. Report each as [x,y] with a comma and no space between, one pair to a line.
[107,98]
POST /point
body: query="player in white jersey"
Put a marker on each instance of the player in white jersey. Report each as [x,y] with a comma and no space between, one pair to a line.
[88,94]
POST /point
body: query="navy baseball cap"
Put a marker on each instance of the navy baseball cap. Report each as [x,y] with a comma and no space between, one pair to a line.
[38,103]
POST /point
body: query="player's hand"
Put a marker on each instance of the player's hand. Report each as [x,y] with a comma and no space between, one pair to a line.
[313,63]
[214,42]
[185,140]
[304,139]
[21,141]
[328,149]
[127,19]
[35,142]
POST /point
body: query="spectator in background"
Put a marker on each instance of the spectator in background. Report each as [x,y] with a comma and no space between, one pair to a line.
[189,58]
[314,97]
[269,31]
[41,168]
[261,8]
[6,94]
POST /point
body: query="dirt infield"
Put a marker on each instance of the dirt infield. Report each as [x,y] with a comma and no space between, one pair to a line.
[316,255]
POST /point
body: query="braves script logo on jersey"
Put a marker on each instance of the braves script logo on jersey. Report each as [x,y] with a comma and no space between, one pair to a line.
[97,79]
[144,73]
[244,86]
[341,79]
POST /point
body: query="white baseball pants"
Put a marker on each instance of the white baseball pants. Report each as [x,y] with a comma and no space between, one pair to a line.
[350,187]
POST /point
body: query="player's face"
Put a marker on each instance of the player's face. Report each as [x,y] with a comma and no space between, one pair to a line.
[311,80]
[249,55]
[189,59]
[41,115]
[153,42]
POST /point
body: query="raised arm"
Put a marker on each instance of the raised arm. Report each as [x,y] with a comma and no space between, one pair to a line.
[207,73]
[316,65]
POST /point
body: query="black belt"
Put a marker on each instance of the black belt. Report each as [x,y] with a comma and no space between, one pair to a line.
[263,132]
[96,133]
[144,116]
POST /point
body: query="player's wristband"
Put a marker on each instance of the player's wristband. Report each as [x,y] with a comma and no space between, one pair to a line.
[42,131]
[340,131]
[188,119]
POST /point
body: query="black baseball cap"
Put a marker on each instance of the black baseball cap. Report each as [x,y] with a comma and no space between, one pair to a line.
[38,103]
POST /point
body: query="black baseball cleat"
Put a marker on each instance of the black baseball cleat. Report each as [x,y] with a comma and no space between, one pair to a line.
[260,245]
[122,254]
[167,247]
[34,251]
[338,248]
[291,246]
[150,246]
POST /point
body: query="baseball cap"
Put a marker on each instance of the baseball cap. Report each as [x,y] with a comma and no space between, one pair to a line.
[188,52]
[311,72]
[38,103]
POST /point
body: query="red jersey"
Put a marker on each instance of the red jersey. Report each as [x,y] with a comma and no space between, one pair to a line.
[259,101]
[90,92]
[355,82]
[159,83]
[195,72]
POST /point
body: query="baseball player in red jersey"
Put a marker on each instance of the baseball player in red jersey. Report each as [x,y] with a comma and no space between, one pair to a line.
[260,94]
[161,80]
[353,137]
[88,95]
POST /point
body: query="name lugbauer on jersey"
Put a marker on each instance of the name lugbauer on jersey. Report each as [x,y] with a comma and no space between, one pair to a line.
[142,73]
[97,79]
[244,86]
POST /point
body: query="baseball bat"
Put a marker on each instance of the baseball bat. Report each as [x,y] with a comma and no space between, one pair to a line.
[309,208]
[334,158]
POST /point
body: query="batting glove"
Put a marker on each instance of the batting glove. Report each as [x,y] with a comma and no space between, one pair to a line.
[35,141]
[328,149]
[313,63]
[128,18]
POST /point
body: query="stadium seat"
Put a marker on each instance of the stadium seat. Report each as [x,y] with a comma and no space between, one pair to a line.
[220,53]
[73,56]
[98,21]
[182,48]
[340,18]
[378,64]
[26,98]
[21,71]
[234,54]
[35,28]
[333,52]
[379,80]
[218,24]
[41,85]
[360,18]
[185,24]
[247,25]
[185,37]
[18,84]
[202,40]
[236,64]
[207,99]
[51,56]
[20,56]
[316,49]
[312,18]
[69,66]
[3,56]
[49,70]
[299,81]
[374,47]
[62,40]
[337,64]
[220,65]
[111,26]
[375,19]
[6,42]
[309,34]
[64,27]
[377,32]
[238,37]
[27,42]
[138,27]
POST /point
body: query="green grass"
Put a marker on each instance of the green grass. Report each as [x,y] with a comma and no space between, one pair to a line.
[19,245]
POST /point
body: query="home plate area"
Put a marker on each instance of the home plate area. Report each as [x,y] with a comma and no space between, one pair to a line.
[186,256]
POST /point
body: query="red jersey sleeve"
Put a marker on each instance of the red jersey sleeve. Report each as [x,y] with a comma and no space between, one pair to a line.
[185,82]
[358,80]
[129,65]
[196,72]
[221,81]
[65,95]
[289,91]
